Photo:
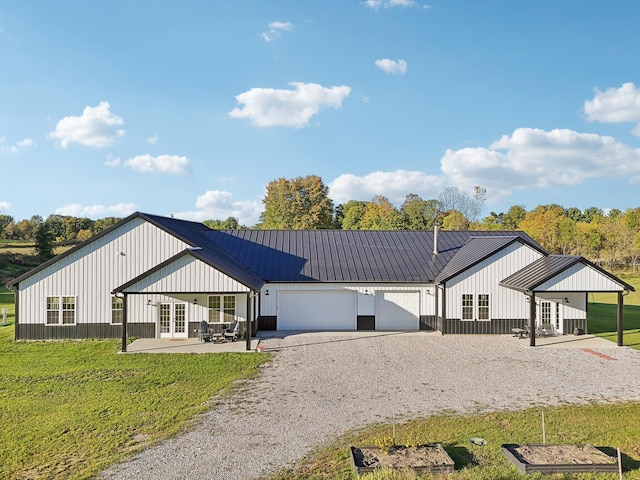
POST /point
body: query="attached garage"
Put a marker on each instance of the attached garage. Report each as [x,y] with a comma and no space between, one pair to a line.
[320,310]
[397,310]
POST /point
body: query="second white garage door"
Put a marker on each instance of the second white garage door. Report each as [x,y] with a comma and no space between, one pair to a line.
[330,310]
[397,310]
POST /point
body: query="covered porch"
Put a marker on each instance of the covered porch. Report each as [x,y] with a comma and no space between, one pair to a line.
[190,289]
[558,280]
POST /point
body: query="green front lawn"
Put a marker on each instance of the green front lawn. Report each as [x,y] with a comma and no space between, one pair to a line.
[612,426]
[603,315]
[71,408]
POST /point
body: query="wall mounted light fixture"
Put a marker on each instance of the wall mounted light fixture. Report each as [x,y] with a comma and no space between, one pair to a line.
[195,301]
[266,293]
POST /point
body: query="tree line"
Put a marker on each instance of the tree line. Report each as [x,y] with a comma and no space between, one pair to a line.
[611,239]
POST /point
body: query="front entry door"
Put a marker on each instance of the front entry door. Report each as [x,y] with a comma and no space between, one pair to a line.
[550,314]
[172,320]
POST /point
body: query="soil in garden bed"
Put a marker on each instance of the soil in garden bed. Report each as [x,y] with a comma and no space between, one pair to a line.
[401,457]
[562,454]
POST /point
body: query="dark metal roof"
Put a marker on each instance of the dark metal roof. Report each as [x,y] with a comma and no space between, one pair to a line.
[255,256]
[545,268]
[346,255]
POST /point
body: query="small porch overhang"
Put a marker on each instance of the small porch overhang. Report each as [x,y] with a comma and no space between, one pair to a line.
[194,271]
[566,274]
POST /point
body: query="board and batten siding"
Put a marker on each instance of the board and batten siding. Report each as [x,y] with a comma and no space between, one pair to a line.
[580,277]
[484,278]
[187,274]
[92,272]
[365,303]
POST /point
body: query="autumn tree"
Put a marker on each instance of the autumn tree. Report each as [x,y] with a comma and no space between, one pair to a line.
[543,225]
[455,220]
[352,214]
[419,214]
[5,221]
[104,223]
[380,214]
[231,223]
[300,203]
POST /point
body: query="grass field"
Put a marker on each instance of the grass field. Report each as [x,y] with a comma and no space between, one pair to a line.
[69,409]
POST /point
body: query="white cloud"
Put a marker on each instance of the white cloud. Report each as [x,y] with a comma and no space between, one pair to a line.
[97,127]
[276,29]
[269,107]
[4,206]
[153,139]
[616,105]
[97,211]
[534,158]
[17,147]
[112,161]
[220,205]
[377,4]
[392,66]
[171,164]
[393,185]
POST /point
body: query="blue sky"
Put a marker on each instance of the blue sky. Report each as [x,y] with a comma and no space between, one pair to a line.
[190,108]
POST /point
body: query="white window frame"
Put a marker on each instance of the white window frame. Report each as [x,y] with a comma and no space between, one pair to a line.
[117,312]
[224,312]
[467,307]
[60,311]
[484,308]
[473,306]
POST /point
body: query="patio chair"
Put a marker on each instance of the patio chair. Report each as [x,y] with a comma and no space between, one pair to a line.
[204,334]
[233,332]
[546,330]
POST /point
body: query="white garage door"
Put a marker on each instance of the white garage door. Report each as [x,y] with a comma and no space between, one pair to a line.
[397,310]
[332,310]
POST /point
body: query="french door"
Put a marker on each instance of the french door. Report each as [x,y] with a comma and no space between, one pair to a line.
[172,320]
[549,313]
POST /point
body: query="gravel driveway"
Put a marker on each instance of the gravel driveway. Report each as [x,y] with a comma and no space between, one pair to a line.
[319,386]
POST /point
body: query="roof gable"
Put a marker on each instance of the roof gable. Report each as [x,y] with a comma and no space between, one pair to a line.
[553,272]
[478,249]
[162,278]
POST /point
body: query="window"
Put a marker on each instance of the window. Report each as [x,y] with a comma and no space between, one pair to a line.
[61,310]
[467,306]
[53,310]
[483,306]
[222,308]
[117,309]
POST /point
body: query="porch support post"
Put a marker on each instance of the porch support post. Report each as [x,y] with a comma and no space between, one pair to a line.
[620,320]
[124,323]
[532,319]
[248,324]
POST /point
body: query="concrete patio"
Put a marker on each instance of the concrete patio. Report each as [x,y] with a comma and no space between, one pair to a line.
[192,345]
[187,345]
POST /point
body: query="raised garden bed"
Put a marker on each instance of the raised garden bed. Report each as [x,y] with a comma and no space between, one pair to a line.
[529,458]
[430,458]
